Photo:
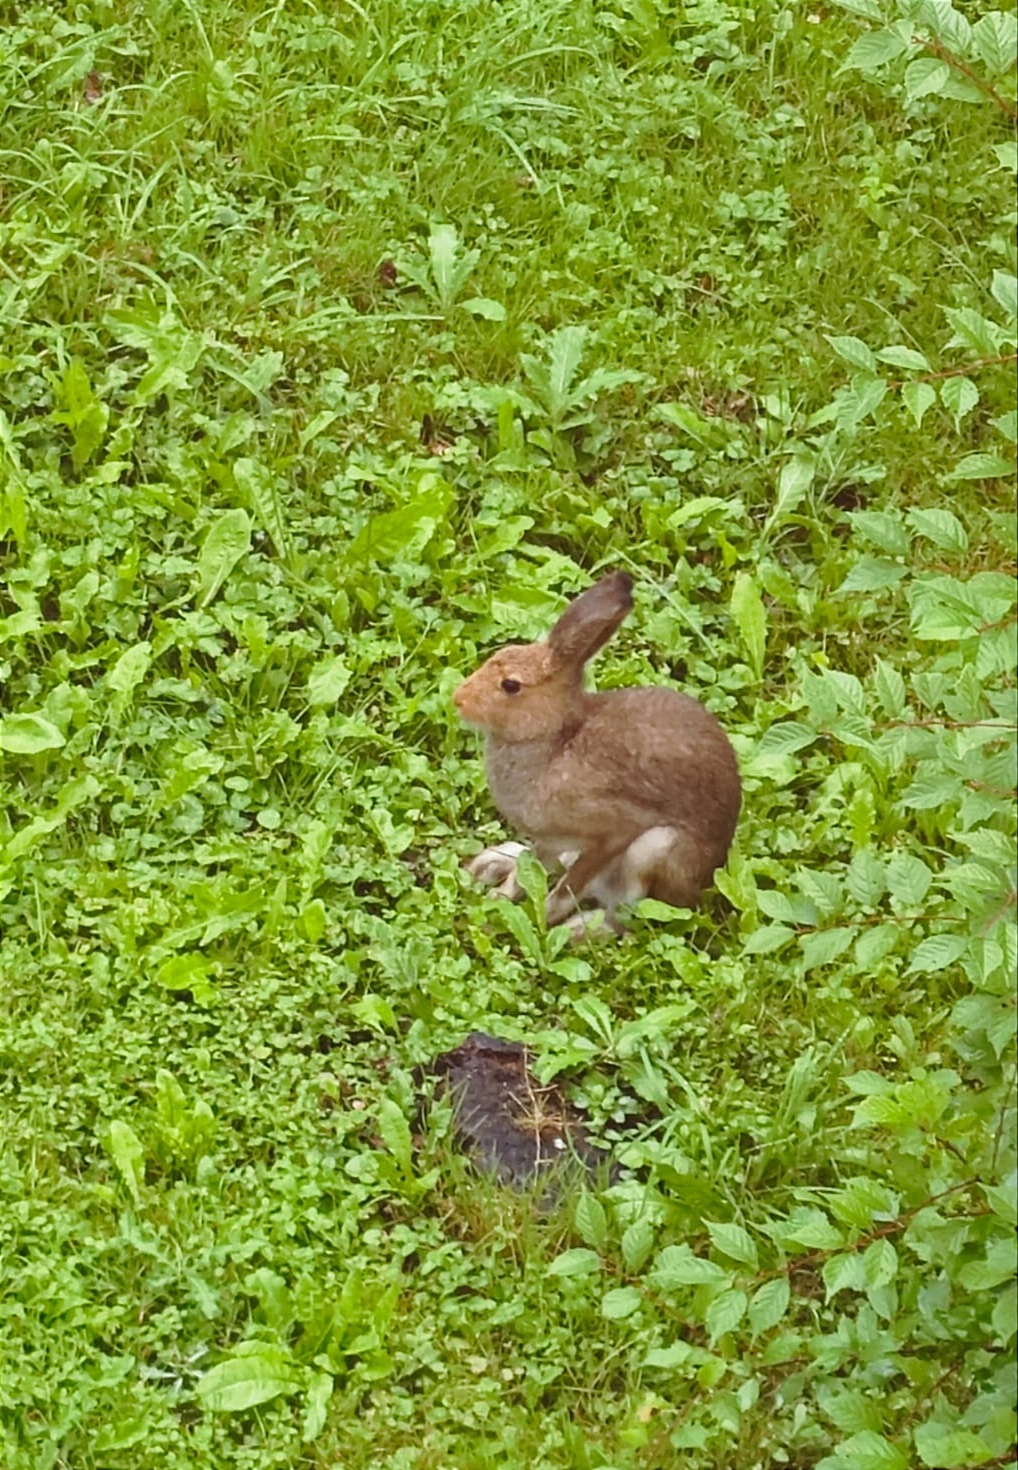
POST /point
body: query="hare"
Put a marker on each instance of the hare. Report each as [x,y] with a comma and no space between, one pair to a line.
[635,792]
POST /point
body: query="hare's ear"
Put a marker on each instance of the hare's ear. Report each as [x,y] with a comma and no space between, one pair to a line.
[588,623]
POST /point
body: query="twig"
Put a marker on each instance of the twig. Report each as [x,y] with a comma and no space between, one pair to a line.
[956,372]
[893,1227]
[1007,107]
[947,724]
[998,913]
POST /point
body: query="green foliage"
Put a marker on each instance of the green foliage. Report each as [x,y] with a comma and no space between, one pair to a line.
[340,345]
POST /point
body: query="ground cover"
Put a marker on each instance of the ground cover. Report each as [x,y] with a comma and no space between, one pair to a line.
[340,344]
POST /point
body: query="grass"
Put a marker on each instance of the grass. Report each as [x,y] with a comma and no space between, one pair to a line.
[340,344]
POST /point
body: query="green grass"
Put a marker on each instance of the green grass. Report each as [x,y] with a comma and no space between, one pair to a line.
[338,344]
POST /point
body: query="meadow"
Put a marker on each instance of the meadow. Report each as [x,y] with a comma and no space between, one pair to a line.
[340,343]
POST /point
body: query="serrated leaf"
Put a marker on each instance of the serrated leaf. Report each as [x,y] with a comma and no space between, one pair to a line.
[867,1083]
[1007,425]
[794,482]
[866,878]
[594,1014]
[228,539]
[904,357]
[725,1313]
[259,487]
[261,1373]
[777,905]
[812,1228]
[824,946]
[620,1302]
[880,1263]
[403,534]
[733,1241]
[187,971]
[995,37]
[327,680]
[670,1357]
[126,1151]
[972,330]
[850,1410]
[824,890]
[885,529]
[889,687]
[985,1013]
[449,267]
[394,1131]
[677,1266]
[1005,291]
[768,1305]
[784,739]
[861,399]
[854,351]
[875,49]
[932,788]
[72,795]
[861,1202]
[937,952]
[767,939]
[874,945]
[871,574]
[926,76]
[947,23]
[844,1273]
[869,9]
[998,1266]
[1003,1201]
[591,1221]
[917,398]
[575,1262]
[565,353]
[637,1244]
[940,526]
[870,1451]
[28,735]
[908,879]
[1005,1314]
[950,1448]
[317,1411]
[750,619]
[959,396]
[697,426]
[129,670]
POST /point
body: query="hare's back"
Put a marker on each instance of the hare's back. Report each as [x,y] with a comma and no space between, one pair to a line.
[654,723]
[664,752]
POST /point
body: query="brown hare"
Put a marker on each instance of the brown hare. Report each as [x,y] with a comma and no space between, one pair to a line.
[635,792]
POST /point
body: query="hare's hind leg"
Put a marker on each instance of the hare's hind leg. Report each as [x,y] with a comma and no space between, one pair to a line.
[680,874]
[581,878]
[662,863]
[656,863]
[495,867]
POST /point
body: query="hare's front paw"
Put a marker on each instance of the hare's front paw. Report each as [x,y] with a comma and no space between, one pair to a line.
[495,867]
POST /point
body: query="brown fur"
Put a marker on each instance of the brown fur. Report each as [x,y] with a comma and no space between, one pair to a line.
[587,774]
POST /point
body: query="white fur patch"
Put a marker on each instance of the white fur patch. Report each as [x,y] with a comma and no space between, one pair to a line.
[628,878]
[495,867]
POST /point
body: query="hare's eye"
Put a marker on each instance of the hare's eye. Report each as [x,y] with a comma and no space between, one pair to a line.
[511,686]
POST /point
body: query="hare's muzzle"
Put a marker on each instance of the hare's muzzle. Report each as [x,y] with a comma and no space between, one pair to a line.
[465,705]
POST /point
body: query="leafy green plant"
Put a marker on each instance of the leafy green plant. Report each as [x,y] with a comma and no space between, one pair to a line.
[338,349]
